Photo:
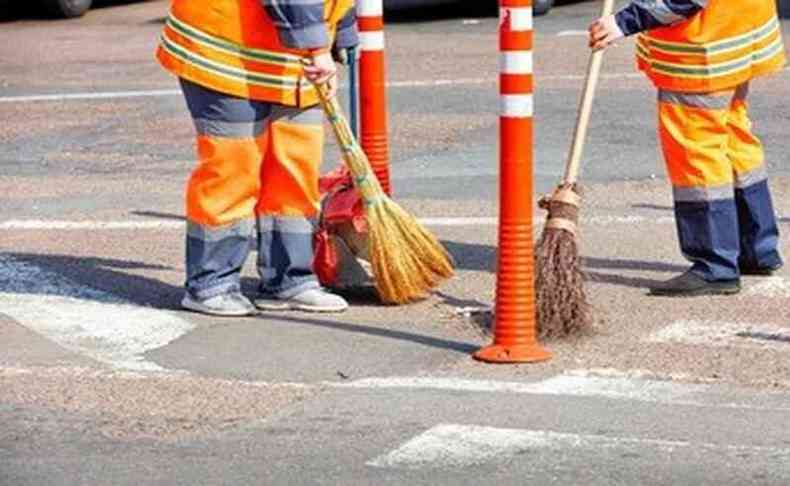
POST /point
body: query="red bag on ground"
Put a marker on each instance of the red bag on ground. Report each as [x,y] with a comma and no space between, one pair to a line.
[341,235]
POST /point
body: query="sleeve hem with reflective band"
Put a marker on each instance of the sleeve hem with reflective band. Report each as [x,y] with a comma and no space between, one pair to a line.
[234,48]
[641,15]
[300,23]
[714,50]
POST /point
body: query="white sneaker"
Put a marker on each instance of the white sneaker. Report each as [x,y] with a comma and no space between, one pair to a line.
[311,300]
[233,304]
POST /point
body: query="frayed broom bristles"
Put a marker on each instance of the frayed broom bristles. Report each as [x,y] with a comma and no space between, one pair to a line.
[406,259]
[561,303]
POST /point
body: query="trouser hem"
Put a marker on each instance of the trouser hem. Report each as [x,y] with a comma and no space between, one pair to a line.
[214,290]
[295,288]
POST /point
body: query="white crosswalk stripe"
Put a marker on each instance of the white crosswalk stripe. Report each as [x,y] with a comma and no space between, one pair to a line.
[449,446]
[717,333]
[85,320]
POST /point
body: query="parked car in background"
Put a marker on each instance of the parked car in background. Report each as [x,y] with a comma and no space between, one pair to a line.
[75,8]
[66,8]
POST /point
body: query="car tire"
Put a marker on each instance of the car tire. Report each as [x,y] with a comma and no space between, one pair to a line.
[66,8]
[541,7]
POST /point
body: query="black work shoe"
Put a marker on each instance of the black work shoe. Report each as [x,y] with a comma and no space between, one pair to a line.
[747,269]
[689,284]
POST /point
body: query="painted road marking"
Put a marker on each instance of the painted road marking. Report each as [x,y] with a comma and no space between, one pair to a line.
[654,391]
[715,333]
[392,84]
[85,320]
[452,446]
[770,287]
[428,83]
[51,225]
[577,384]
[42,225]
[572,33]
[104,95]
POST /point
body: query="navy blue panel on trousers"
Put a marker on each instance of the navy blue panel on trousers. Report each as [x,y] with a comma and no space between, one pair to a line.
[285,255]
[758,228]
[215,257]
[708,234]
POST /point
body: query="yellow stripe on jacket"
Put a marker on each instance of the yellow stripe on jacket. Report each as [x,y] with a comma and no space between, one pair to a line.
[232,46]
[726,44]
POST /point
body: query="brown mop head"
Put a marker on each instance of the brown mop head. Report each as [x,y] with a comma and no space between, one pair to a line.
[561,303]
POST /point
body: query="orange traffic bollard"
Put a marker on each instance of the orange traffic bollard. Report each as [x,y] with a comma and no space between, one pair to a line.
[372,89]
[515,325]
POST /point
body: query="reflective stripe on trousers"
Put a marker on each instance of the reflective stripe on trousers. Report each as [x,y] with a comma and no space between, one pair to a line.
[258,166]
[715,163]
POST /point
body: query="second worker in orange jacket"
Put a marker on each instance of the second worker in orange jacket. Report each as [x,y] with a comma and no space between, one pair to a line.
[701,56]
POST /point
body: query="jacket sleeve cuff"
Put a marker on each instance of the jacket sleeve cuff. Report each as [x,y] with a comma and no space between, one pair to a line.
[313,36]
[628,22]
[347,37]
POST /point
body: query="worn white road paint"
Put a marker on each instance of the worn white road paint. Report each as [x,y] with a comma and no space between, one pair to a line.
[106,95]
[452,446]
[655,391]
[102,95]
[769,287]
[572,33]
[44,225]
[719,333]
[452,384]
[83,319]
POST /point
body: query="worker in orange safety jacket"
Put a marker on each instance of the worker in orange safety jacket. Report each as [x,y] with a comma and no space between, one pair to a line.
[701,55]
[259,143]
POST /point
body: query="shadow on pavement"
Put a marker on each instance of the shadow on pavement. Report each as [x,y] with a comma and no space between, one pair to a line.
[159,215]
[636,282]
[653,206]
[617,264]
[430,341]
[111,276]
[472,256]
[456,302]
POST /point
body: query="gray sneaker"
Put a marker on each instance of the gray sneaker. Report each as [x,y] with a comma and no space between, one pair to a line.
[311,300]
[232,304]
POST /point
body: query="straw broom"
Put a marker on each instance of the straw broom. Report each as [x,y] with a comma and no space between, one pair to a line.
[406,260]
[562,307]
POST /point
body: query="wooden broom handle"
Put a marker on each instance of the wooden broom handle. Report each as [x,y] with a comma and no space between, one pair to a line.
[585,108]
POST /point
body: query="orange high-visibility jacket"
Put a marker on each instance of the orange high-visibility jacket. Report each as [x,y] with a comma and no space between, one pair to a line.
[232,46]
[725,44]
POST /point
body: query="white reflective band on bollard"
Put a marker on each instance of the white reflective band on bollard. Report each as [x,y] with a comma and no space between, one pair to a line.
[371,41]
[516,106]
[515,62]
[520,17]
[370,8]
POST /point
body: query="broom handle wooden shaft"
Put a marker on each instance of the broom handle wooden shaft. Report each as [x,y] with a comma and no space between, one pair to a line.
[585,107]
[355,158]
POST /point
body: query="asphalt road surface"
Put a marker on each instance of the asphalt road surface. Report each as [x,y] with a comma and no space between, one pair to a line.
[104,380]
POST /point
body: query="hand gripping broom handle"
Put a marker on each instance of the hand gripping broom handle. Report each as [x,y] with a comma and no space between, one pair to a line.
[585,107]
